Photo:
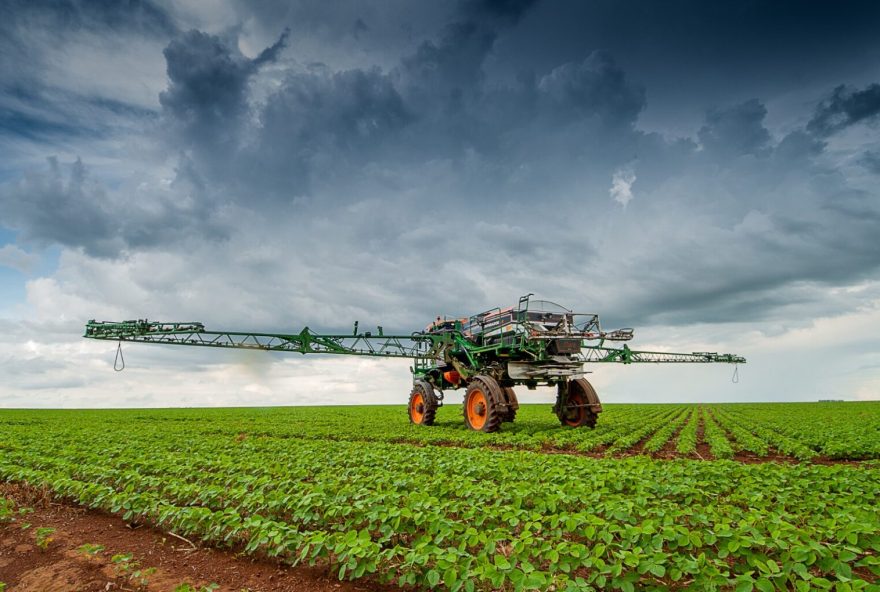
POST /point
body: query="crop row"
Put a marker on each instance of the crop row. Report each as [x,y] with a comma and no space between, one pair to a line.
[687,438]
[780,441]
[645,429]
[466,519]
[612,434]
[715,437]
[745,439]
[665,433]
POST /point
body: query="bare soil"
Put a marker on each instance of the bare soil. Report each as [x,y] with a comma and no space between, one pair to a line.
[636,449]
[703,451]
[62,567]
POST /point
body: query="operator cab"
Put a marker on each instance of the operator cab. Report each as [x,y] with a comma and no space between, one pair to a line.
[543,315]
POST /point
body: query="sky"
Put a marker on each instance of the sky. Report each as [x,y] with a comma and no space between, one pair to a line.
[705,172]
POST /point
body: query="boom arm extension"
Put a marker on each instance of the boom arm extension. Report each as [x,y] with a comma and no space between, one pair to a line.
[625,355]
[416,345]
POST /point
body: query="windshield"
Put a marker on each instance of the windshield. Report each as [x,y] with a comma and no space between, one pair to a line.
[546,306]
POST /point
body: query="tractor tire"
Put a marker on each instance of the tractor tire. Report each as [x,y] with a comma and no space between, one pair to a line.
[512,405]
[482,411]
[422,403]
[582,406]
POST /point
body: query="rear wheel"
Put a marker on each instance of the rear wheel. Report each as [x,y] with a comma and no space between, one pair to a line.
[481,409]
[512,405]
[422,404]
[579,406]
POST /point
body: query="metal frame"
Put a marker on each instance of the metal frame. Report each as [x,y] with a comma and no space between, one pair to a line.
[512,345]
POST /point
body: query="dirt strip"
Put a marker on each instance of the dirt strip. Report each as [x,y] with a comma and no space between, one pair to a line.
[64,565]
[704,452]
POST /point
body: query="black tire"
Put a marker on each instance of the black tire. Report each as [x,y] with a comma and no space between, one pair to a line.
[582,406]
[481,407]
[422,408]
[512,405]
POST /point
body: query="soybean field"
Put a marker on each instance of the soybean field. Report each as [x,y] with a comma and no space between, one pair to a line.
[656,497]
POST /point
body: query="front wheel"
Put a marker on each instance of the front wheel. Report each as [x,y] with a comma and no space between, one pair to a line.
[422,404]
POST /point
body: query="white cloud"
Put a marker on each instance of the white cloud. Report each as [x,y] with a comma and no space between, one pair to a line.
[127,69]
[621,186]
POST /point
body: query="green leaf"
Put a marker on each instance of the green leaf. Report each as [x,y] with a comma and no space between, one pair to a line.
[450,576]
[536,581]
[433,577]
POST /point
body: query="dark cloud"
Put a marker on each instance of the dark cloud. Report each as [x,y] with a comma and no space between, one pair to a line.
[871,161]
[845,107]
[313,120]
[207,93]
[447,70]
[448,73]
[323,122]
[506,11]
[74,212]
[79,212]
[736,130]
[692,54]
[595,88]
[798,145]
[861,208]
[318,123]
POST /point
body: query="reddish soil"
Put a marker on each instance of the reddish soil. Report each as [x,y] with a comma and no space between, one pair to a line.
[827,460]
[635,449]
[773,455]
[669,450]
[703,451]
[61,567]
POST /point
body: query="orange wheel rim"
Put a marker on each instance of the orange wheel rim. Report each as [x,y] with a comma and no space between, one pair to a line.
[477,409]
[574,415]
[417,408]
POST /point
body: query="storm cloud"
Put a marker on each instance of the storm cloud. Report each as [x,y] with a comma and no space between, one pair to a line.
[286,164]
[845,107]
[206,97]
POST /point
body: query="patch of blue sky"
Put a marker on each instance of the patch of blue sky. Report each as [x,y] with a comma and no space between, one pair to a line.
[12,291]
[13,282]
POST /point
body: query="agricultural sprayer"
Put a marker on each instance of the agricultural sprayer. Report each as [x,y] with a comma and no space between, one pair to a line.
[534,343]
